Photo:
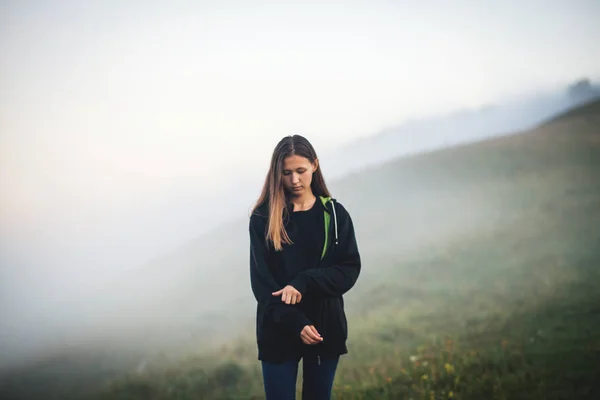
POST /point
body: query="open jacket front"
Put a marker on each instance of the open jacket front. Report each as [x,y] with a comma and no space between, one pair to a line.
[278,325]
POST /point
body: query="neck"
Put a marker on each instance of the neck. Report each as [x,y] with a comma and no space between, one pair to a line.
[303,202]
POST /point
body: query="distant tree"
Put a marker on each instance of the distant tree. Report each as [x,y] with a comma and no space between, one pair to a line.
[583,90]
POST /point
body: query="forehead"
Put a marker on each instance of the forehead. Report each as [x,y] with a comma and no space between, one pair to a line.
[295,162]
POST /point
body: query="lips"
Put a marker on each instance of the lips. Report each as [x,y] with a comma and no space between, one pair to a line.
[297,188]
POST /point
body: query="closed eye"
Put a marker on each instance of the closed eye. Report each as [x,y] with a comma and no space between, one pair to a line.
[300,171]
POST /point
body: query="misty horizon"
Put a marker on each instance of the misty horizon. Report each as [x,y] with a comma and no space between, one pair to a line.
[128,131]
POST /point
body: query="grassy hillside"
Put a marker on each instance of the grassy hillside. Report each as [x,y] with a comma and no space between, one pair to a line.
[481,266]
[419,199]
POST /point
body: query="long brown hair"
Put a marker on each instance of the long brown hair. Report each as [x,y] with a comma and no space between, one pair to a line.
[273,193]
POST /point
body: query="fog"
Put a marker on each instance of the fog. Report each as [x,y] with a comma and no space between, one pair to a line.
[129,130]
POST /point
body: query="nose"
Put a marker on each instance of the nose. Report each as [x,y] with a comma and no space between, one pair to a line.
[295,178]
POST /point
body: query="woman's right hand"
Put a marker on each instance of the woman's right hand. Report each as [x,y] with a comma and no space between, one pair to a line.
[310,335]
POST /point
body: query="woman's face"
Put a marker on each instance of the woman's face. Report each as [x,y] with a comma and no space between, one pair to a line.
[297,174]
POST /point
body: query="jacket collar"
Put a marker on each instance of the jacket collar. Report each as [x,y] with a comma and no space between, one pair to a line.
[328,204]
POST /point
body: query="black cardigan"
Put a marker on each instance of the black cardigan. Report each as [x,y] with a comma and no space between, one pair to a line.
[278,325]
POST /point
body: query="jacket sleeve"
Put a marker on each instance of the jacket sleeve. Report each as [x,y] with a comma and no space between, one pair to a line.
[337,279]
[263,284]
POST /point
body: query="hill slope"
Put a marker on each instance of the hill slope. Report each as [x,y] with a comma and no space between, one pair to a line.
[481,264]
[489,246]
[418,199]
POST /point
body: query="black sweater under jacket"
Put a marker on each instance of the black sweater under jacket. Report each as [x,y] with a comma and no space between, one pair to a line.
[278,325]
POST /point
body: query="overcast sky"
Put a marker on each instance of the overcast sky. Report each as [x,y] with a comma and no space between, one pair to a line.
[112,109]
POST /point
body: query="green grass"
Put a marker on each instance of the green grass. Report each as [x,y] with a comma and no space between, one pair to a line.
[521,321]
[505,307]
[509,310]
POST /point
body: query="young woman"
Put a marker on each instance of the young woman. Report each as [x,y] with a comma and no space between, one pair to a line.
[303,258]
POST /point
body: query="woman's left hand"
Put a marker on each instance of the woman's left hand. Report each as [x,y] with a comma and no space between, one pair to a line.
[289,295]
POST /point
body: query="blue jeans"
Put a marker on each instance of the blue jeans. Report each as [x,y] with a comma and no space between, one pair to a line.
[317,379]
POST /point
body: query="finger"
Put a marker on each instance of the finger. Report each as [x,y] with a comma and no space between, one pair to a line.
[313,336]
[313,329]
[277,293]
[284,297]
[307,340]
[294,299]
[288,300]
[304,339]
